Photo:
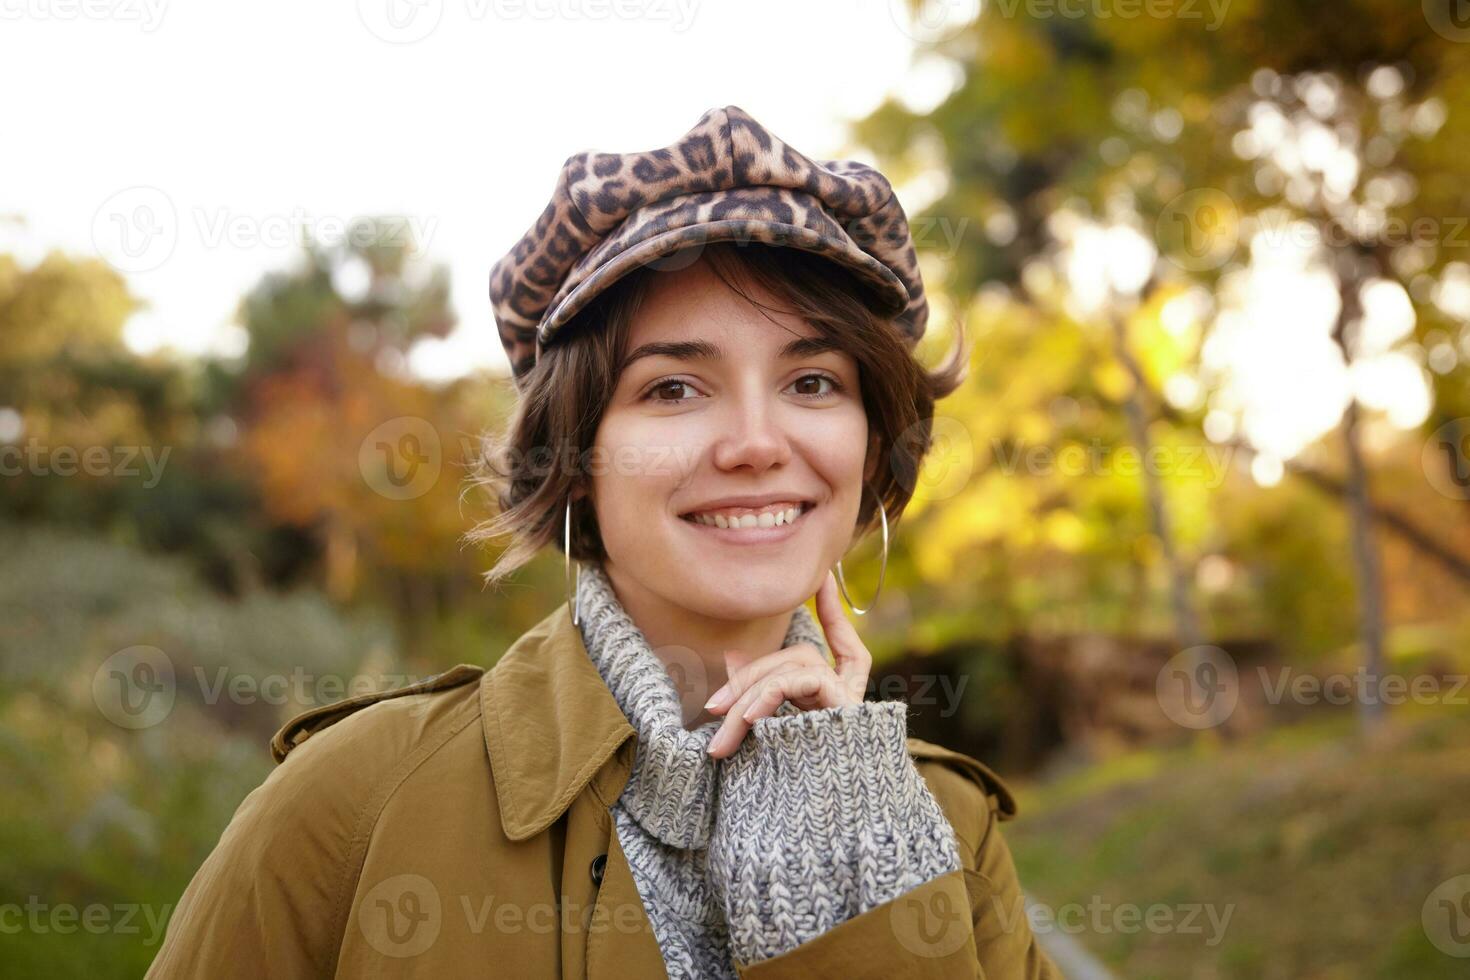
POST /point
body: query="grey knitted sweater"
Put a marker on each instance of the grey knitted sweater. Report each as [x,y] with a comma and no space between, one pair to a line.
[816,818]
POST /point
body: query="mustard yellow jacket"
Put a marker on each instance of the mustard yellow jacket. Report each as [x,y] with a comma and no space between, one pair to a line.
[459,827]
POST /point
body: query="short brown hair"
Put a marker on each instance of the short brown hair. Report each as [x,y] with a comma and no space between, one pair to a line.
[566,393]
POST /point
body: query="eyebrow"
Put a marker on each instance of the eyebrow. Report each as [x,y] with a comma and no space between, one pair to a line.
[693,350]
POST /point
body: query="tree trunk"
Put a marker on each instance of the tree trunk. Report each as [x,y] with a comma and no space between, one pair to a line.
[1360,520]
[1187,633]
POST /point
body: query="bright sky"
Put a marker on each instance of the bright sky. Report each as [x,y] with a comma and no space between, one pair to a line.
[1280,378]
[191,143]
[218,130]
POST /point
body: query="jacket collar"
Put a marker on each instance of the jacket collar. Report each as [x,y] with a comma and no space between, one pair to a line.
[545,709]
[551,727]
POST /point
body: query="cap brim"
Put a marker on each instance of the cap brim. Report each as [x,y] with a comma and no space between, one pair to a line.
[888,289]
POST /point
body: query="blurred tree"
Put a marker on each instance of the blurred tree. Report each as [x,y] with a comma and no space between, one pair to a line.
[83,421]
[1265,125]
[60,307]
[338,435]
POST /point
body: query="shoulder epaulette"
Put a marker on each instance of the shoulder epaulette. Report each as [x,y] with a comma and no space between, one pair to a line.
[313,720]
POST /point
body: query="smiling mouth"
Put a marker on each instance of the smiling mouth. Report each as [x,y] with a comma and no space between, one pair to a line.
[751,520]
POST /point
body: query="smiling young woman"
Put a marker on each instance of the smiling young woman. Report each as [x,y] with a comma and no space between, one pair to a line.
[747,380]
[675,773]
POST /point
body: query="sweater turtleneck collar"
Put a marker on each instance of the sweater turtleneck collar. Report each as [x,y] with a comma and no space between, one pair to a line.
[671,789]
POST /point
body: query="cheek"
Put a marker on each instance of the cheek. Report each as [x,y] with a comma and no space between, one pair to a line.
[835,443]
[636,460]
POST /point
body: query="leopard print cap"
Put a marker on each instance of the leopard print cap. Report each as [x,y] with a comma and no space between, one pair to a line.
[727,179]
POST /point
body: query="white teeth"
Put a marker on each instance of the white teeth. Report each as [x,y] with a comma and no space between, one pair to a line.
[770,518]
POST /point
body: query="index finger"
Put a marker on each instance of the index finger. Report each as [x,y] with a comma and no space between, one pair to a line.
[850,655]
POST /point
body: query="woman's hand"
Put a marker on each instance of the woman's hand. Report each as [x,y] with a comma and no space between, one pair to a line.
[758,685]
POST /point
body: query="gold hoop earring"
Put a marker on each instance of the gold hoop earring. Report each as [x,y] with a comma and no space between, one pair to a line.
[567,565]
[882,568]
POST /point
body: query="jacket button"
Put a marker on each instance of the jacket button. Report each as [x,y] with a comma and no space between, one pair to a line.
[599,865]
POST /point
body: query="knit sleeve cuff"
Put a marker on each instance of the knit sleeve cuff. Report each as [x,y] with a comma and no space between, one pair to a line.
[822,816]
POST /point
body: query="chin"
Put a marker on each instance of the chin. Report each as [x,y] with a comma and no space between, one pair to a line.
[744,593]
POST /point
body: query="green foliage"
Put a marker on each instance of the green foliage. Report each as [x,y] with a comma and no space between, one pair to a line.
[1108,114]
[60,307]
[117,820]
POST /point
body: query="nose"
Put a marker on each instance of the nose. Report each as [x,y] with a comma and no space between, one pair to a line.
[753,435]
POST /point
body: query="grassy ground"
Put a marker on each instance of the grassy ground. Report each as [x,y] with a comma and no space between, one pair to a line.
[1322,852]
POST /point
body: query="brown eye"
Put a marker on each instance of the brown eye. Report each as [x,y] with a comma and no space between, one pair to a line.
[810,385]
[656,393]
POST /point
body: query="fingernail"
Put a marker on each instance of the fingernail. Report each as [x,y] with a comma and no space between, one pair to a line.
[717,697]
